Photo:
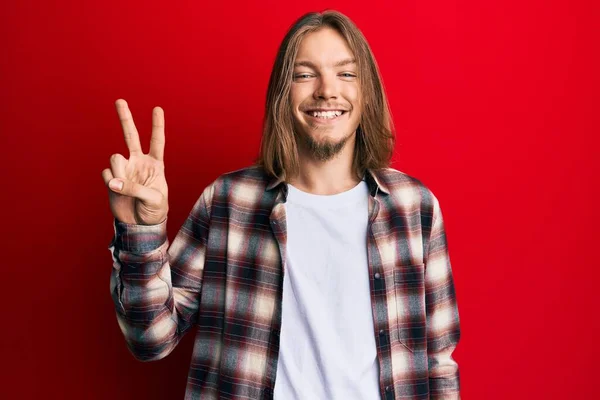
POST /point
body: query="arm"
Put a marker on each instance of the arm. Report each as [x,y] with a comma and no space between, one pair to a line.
[156,288]
[443,327]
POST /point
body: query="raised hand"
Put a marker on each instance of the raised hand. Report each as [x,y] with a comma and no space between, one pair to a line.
[137,186]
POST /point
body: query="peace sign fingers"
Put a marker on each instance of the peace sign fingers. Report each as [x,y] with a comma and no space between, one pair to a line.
[130,132]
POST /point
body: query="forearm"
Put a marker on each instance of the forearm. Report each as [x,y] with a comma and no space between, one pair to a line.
[443,322]
[444,379]
[142,291]
[143,296]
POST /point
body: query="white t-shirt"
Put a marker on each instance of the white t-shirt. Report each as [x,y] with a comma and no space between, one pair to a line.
[327,344]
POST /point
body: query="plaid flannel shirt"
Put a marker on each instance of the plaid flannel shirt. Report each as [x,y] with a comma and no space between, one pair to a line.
[223,274]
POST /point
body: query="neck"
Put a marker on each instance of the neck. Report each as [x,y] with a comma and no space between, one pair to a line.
[326,177]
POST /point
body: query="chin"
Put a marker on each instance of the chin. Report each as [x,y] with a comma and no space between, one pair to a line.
[326,137]
[324,145]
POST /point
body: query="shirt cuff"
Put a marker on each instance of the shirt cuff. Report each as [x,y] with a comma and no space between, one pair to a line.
[139,239]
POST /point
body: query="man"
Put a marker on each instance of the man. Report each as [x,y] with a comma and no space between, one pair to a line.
[317,273]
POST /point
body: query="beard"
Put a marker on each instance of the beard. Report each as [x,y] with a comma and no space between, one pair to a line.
[322,150]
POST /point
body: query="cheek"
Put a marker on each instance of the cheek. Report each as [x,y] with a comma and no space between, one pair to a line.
[355,96]
[351,94]
[298,94]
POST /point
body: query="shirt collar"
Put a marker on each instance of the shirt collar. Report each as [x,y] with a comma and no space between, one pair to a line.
[372,177]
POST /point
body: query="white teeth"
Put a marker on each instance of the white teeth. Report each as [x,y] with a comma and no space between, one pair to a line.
[326,114]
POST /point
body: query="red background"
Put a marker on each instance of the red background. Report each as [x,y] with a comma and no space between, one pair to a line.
[496,108]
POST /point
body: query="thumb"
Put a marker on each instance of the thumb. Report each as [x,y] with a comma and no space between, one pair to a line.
[116,185]
[132,189]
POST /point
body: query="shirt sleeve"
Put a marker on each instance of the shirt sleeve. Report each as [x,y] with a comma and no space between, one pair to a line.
[443,325]
[156,286]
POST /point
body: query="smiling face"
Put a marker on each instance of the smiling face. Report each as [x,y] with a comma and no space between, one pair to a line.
[325,94]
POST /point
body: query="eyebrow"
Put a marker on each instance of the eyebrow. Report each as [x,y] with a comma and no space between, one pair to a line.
[341,63]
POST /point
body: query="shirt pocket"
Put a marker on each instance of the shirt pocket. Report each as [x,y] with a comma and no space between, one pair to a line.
[409,290]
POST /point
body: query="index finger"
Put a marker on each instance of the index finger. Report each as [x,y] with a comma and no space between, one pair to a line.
[157,141]
[130,132]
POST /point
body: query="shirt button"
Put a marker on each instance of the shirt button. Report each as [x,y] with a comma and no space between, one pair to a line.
[377,275]
[388,389]
[382,332]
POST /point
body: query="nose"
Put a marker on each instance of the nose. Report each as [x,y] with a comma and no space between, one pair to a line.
[327,88]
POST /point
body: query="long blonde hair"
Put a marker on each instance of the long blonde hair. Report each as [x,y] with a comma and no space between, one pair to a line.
[375,139]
